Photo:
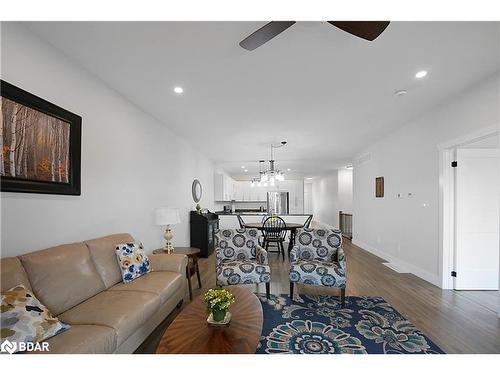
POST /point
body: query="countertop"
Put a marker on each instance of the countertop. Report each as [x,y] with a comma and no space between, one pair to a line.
[254,213]
[242,213]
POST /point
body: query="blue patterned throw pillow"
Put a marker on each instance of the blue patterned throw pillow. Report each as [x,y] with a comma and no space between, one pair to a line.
[132,260]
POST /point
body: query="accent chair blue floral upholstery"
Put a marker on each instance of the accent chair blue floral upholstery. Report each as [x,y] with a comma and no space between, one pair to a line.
[318,259]
[240,259]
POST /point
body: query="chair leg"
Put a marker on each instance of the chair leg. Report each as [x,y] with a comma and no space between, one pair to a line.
[282,249]
[342,297]
[291,290]
[266,244]
[268,290]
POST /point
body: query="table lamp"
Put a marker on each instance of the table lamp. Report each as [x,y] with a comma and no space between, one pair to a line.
[167,216]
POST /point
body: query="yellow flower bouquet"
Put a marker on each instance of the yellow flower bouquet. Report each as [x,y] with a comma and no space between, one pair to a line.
[218,301]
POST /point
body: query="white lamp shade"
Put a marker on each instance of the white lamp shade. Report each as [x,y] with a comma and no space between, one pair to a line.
[167,216]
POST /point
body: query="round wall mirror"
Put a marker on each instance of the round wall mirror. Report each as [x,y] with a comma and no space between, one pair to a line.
[196,191]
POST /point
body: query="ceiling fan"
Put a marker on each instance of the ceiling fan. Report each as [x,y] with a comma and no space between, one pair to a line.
[368,30]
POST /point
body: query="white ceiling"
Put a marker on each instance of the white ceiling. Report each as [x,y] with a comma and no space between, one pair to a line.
[326,92]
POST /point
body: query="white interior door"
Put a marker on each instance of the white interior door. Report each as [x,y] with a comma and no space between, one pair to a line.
[308,199]
[477,219]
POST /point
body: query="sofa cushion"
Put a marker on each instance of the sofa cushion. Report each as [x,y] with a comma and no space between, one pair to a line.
[102,251]
[12,274]
[133,261]
[25,319]
[83,339]
[124,311]
[62,276]
[163,284]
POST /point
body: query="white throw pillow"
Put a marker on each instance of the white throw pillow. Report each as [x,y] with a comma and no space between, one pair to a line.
[132,260]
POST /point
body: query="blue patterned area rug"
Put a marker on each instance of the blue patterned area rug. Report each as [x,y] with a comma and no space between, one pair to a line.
[319,324]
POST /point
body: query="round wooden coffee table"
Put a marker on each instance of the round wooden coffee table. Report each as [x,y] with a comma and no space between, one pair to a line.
[190,333]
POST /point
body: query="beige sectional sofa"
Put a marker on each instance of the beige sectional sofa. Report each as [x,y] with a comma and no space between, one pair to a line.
[81,284]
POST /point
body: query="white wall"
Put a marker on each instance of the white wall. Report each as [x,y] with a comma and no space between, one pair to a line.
[332,193]
[405,230]
[131,163]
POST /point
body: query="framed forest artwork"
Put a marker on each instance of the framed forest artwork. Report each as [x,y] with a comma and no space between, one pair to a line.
[40,144]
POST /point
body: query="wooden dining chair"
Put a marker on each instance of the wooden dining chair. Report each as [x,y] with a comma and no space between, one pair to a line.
[274,232]
[291,237]
[242,223]
[308,221]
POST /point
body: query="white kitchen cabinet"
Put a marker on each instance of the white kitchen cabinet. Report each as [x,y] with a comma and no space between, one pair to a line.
[227,189]
[254,193]
[244,192]
[224,188]
[240,194]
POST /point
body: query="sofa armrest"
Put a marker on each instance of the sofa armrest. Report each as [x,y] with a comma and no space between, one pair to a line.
[169,262]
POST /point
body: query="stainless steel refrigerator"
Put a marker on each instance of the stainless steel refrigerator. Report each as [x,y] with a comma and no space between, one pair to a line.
[277,202]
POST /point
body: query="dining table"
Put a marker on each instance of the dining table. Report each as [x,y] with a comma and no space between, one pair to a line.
[292,227]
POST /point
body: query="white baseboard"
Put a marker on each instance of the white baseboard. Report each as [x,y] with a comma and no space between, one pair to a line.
[423,274]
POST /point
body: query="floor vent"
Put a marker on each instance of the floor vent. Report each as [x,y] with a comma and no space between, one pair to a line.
[393,267]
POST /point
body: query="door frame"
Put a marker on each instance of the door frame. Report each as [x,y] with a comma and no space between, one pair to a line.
[447,201]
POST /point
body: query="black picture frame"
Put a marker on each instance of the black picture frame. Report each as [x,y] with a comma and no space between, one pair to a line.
[20,185]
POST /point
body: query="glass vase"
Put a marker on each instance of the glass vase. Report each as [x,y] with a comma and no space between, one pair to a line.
[218,315]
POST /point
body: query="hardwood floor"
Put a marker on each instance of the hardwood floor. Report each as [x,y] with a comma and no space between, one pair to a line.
[457,321]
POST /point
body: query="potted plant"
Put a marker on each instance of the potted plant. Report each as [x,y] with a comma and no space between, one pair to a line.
[218,302]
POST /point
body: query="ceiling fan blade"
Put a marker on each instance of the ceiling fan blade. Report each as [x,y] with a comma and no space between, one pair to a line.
[265,34]
[368,30]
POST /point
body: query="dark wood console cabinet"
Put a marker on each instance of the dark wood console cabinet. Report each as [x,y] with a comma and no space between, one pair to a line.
[202,231]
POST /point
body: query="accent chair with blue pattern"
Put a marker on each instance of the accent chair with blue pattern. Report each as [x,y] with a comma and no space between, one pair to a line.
[240,259]
[318,259]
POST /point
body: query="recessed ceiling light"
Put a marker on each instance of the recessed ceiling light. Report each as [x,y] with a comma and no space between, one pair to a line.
[246,170]
[309,178]
[288,169]
[421,74]
[400,92]
[178,90]
[242,167]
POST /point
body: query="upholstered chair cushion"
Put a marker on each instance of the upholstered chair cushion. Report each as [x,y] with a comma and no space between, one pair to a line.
[132,260]
[318,244]
[237,244]
[246,271]
[318,258]
[240,259]
[316,272]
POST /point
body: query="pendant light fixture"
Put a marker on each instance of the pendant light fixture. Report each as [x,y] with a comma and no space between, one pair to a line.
[271,175]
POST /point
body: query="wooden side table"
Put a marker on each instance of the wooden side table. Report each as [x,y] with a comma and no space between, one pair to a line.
[192,266]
